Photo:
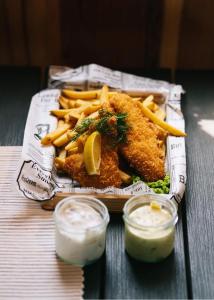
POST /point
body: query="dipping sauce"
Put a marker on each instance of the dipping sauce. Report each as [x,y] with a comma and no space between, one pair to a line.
[149,227]
[80,229]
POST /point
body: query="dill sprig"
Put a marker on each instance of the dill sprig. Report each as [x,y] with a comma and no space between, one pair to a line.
[116,129]
[110,124]
[83,127]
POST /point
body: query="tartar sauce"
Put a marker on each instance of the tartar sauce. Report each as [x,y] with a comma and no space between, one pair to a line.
[149,229]
[80,229]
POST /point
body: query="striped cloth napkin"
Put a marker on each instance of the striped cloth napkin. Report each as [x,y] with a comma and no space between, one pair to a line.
[29,268]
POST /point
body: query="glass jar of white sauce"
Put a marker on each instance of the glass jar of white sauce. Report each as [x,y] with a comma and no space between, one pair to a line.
[80,229]
[149,227]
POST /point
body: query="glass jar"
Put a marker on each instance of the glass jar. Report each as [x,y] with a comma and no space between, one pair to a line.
[80,229]
[149,227]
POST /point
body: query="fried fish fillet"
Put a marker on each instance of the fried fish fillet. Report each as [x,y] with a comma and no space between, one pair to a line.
[144,149]
[109,171]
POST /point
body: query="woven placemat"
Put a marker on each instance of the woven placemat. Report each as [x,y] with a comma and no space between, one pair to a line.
[29,268]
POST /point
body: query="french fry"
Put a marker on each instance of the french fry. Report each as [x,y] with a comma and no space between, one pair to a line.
[104,94]
[50,137]
[86,95]
[112,93]
[62,153]
[80,102]
[153,106]
[64,102]
[60,123]
[160,143]
[137,99]
[72,103]
[82,116]
[75,112]
[150,104]
[94,115]
[71,134]
[59,163]
[126,178]
[159,98]
[62,140]
[148,100]
[81,142]
[71,145]
[73,150]
[72,115]
[160,114]
[60,113]
[161,123]
[91,109]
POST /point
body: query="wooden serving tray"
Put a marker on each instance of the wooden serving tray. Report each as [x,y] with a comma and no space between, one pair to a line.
[113,202]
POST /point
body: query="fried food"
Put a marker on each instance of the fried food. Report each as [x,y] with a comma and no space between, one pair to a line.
[143,149]
[161,123]
[130,127]
[109,170]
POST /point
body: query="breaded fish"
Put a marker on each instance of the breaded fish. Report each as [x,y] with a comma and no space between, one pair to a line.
[109,171]
[143,149]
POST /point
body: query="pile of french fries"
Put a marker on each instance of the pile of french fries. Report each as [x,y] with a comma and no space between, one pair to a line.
[75,106]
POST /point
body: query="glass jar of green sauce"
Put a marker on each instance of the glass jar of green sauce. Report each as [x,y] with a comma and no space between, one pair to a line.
[149,227]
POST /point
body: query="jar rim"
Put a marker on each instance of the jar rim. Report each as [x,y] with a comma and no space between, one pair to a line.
[160,199]
[104,214]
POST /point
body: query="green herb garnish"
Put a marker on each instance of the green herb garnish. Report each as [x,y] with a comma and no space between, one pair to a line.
[83,127]
[110,124]
[113,125]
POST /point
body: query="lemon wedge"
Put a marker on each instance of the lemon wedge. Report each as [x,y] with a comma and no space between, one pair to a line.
[92,153]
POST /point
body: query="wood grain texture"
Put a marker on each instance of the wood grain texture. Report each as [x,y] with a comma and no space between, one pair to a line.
[54,41]
[196,43]
[126,278]
[113,202]
[17,86]
[111,33]
[5,53]
[36,28]
[198,105]
[16,31]
[42,25]
[170,33]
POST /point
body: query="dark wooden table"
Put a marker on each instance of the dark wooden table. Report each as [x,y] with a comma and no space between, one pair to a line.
[188,272]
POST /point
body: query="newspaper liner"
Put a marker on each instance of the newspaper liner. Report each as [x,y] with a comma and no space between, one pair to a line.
[37,178]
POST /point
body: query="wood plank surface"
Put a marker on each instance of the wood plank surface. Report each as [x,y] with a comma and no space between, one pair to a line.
[198,108]
[129,279]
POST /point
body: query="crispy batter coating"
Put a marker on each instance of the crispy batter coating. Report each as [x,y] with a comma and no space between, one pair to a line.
[109,171]
[144,149]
